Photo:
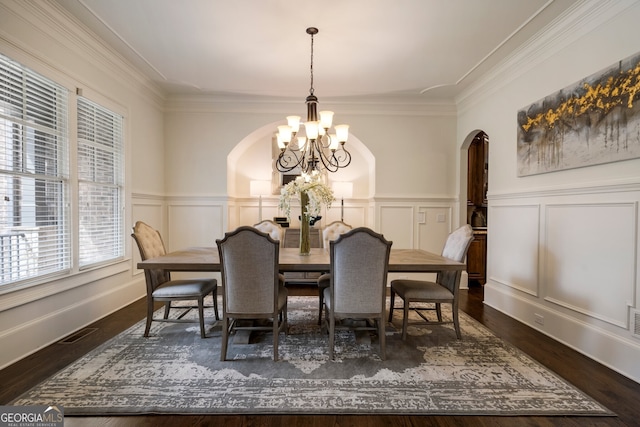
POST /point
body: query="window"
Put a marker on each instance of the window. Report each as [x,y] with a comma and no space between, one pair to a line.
[34,179]
[100,184]
[36,235]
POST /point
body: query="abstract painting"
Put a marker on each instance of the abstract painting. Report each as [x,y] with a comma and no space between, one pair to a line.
[594,121]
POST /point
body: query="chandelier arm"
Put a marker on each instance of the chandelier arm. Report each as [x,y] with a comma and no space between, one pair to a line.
[325,140]
[285,159]
[342,157]
[328,162]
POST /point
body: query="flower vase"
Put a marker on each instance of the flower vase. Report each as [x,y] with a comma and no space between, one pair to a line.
[305,245]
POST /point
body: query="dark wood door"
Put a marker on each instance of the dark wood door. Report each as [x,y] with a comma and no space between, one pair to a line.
[477,258]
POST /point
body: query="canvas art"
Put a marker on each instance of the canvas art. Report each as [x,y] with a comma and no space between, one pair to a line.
[594,121]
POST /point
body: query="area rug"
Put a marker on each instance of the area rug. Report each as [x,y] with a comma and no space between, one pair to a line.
[174,371]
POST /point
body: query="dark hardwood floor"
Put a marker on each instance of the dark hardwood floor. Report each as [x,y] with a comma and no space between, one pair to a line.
[618,393]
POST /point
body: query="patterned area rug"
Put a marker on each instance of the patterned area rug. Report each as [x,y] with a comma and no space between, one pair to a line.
[174,371]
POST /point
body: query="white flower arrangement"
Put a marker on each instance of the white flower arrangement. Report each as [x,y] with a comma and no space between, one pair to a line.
[318,192]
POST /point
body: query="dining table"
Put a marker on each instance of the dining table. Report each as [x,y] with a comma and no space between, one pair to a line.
[207,259]
[196,259]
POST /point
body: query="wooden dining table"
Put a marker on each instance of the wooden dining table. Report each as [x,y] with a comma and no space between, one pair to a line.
[207,259]
[199,259]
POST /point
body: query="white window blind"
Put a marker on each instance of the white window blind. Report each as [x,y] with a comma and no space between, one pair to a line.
[34,180]
[100,184]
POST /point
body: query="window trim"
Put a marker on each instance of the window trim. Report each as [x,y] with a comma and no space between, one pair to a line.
[28,291]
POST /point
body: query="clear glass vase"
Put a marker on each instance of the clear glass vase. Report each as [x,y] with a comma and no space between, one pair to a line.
[305,244]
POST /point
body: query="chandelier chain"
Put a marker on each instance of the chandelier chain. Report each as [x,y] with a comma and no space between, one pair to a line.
[311,90]
[319,150]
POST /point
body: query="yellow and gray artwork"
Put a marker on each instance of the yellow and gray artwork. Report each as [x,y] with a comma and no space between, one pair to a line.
[594,121]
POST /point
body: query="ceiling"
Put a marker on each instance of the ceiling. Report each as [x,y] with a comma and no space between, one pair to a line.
[427,49]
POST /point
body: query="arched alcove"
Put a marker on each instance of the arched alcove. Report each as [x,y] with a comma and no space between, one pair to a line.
[252,159]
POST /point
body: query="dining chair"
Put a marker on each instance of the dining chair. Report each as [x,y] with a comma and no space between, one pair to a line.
[445,289]
[272,228]
[160,286]
[252,287]
[358,280]
[331,232]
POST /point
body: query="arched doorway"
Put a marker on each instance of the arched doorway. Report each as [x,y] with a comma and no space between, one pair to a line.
[477,155]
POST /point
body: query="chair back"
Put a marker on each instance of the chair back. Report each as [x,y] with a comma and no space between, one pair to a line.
[272,228]
[249,270]
[333,231]
[455,248]
[359,266]
[150,245]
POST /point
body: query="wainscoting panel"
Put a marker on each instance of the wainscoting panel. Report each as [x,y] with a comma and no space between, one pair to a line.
[517,265]
[355,213]
[249,214]
[434,226]
[589,258]
[397,223]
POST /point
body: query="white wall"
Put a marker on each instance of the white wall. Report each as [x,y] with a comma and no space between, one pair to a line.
[563,246]
[399,174]
[40,36]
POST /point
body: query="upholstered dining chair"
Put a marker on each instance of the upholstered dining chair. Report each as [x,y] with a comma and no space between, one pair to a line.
[252,287]
[272,228]
[444,290]
[358,281]
[331,232]
[160,287]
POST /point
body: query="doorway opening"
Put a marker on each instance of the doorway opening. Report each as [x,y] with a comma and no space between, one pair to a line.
[477,187]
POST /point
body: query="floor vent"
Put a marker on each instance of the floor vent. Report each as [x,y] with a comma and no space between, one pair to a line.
[635,323]
[77,336]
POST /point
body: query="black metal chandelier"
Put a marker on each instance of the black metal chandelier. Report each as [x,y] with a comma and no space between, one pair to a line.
[318,150]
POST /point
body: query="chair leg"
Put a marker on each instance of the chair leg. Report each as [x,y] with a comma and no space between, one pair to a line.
[405,319]
[332,330]
[456,321]
[320,304]
[201,314]
[167,308]
[382,337]
[276,332]
[392,302]
[215,302]
[439,311]
[225,338]
[149,316]
[286,318]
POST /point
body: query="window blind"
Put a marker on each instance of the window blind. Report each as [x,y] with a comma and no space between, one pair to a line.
[100,184]
[34,175]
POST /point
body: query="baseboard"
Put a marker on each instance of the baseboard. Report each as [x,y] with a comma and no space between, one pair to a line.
[616,352]
[50,327]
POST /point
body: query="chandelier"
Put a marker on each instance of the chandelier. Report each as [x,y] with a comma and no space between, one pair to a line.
[318,150]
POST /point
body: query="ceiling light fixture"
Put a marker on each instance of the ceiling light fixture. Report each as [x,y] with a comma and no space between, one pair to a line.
[318,150]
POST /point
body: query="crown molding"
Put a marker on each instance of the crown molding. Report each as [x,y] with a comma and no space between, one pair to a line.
[566,29]
[55,23]
[244,104]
